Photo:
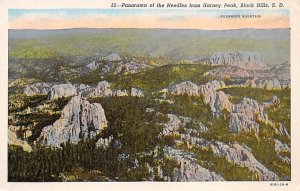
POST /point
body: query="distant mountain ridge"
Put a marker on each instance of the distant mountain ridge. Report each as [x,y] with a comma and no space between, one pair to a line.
[175,44]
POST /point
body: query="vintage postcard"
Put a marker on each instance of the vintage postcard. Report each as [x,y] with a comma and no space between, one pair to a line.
[148,93]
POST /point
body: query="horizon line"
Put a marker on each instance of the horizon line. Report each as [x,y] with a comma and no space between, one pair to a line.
[74,28]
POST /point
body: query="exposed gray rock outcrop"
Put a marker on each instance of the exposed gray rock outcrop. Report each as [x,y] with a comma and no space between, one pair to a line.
[172,125]
[244,115]
[246,60]
[217,100]
[192,172]
[187,169]
[104,142]
[131,67]
[268,83]
[184,88]
[37,88]
[61,90]
[230,72]
[79,120]
[222,102]
[192,140]
[101,90]
[82,87]
[243,157]
[136,92]
[120,93]
[283,131]
[92,66]
[282,148]
[274,101]
[240,122]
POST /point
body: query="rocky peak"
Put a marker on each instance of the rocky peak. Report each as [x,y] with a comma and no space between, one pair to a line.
[79,120]
[217,100]
[246,60]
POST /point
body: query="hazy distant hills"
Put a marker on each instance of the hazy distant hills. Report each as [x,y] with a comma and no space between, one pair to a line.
[273,45]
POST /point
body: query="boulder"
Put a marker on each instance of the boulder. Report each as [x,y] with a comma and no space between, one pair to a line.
[274,101]
[79,120]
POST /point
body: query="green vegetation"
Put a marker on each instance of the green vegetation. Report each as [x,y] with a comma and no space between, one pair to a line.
[161,77]
[228,170]
[258,94]
[27,114]
[152,79]
[136,145]
[61,56]
[19,102]
[280,112]
[262,145]
[130,123]
[190,106]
